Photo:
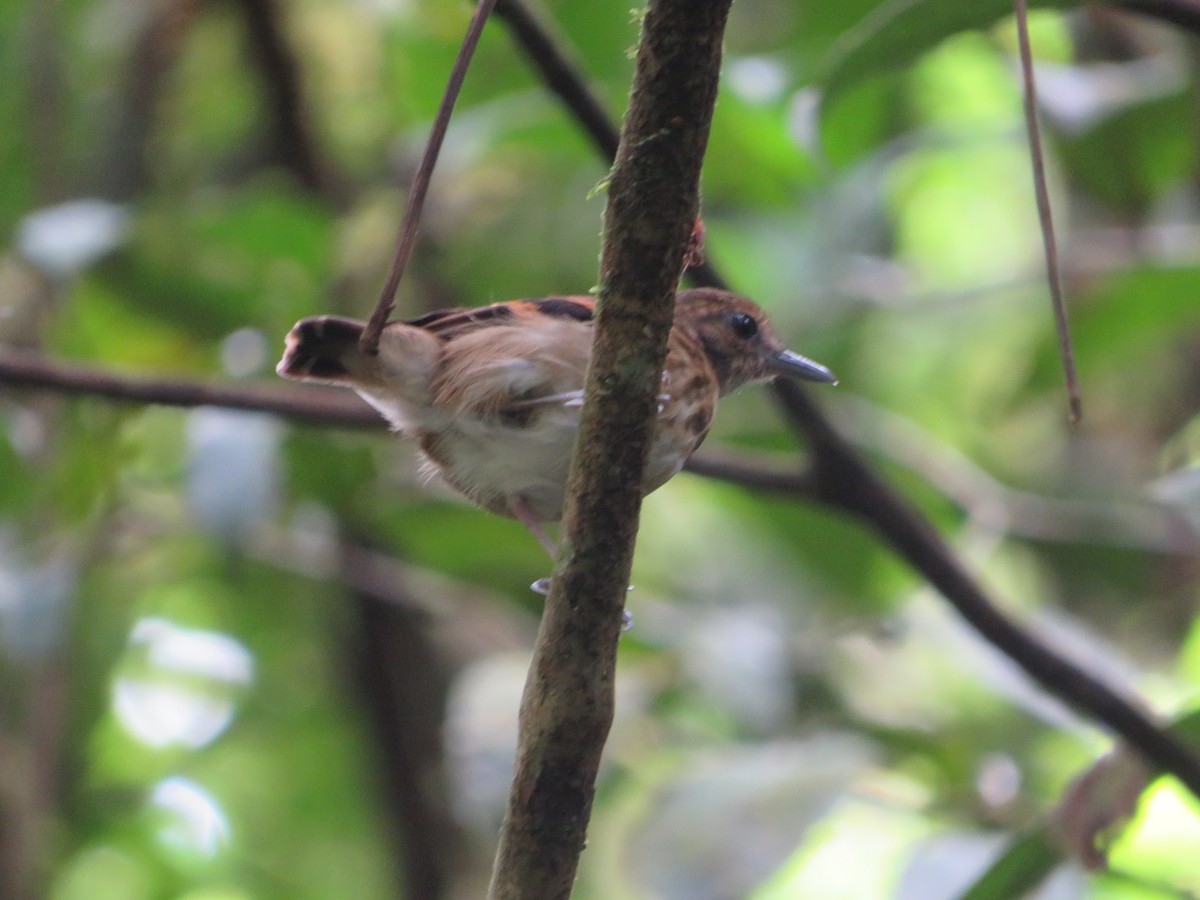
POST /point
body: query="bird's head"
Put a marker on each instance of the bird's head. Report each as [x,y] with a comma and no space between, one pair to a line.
[739,341]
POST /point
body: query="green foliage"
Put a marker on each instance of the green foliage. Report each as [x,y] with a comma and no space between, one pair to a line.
[1021,869]
[184,622]
[897,32]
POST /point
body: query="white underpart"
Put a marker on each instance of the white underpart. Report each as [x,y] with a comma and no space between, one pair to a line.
[403,415]
[528,462]
[525,464]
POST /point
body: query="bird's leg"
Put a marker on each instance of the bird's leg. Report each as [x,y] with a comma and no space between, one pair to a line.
[522,513]
[520,510]
[519,507]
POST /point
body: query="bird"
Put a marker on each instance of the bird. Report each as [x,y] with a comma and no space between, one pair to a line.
[492,394]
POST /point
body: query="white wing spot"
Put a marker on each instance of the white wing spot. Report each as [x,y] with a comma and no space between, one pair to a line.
[568,399]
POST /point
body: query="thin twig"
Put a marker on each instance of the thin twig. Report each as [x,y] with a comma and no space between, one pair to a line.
[1045,216]
[420,184]
[752,475]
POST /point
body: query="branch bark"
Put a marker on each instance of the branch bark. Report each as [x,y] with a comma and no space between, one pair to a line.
[653,199]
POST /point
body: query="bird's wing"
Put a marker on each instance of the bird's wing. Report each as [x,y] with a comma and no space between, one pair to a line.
[449,324]
[534,355]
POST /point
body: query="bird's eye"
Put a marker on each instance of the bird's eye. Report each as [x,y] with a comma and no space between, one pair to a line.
[743,325]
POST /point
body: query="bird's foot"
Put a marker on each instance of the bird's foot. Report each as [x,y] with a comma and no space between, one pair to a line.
[542,586]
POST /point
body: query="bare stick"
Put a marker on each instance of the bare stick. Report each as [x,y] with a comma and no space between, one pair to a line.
[420,185]
[1045,218]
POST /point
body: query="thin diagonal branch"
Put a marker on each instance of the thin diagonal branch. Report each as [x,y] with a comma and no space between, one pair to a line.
[559,73]
[726,467]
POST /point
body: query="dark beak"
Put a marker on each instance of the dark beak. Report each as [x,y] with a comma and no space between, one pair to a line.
[793,365]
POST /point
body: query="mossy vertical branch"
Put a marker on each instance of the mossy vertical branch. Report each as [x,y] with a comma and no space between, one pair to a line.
[653,201]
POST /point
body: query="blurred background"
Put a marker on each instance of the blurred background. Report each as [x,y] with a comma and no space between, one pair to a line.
[246,658]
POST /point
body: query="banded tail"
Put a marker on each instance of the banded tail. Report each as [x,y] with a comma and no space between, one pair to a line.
[324,348]
[396,381]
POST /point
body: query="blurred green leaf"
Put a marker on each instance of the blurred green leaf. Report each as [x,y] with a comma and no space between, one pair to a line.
[1132,314]
[896,32]
[259,256]
[1133,157]
[1027,862]
[756,158]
